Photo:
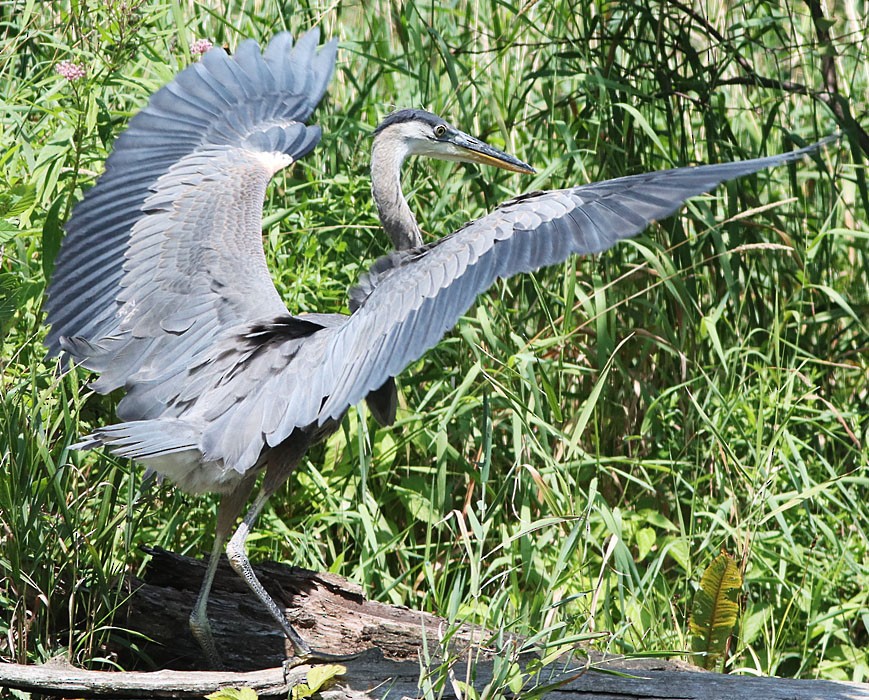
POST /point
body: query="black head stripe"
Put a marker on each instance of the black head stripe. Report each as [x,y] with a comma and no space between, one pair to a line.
[409,115]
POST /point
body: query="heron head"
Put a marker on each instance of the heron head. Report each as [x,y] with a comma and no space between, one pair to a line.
[421,133]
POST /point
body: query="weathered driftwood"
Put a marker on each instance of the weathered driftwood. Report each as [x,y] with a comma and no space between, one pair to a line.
[372,676]
[333,615]
[329,611]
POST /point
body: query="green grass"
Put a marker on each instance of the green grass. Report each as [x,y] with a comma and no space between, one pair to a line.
[566,462]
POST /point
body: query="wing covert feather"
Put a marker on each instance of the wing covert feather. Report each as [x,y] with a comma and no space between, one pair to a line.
[410,299]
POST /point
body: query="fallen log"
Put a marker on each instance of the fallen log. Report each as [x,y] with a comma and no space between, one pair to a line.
[373,677]
[327,610]
[406,650]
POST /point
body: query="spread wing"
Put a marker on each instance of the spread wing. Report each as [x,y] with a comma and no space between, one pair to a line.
[410,299]
[166,249]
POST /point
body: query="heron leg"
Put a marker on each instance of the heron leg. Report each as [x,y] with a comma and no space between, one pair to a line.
[276,475]
[227,513]
[237,553]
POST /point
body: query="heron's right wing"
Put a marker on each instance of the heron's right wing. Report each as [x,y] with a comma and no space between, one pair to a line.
[254,389]
[410,299]
[166,249]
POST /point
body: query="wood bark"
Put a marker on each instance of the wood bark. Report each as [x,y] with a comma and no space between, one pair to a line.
[371,676]
[328,611]
[401,649]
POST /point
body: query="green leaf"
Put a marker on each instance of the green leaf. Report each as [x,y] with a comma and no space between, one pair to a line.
[646,539]
[840,301]
[515,678]
[753,622]
[52,234]
[233,694]
[8,231]
[10,287]
[715,610]
[709,329]
[319,678]
[644,125]
[19,199]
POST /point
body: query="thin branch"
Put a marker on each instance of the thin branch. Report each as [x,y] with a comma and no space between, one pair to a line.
[831,95]
[62,679]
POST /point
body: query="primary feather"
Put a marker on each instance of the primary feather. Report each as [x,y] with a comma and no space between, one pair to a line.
[166,249]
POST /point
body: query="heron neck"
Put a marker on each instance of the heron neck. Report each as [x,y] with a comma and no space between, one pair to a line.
[395,214]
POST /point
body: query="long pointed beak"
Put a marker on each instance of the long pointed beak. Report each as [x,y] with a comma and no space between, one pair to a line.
[475,151]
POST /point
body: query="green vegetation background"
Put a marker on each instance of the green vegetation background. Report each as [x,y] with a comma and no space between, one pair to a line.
[570,458]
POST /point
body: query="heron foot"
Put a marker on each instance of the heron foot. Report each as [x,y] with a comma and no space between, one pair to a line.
[323,657]
[315,656]
[201,629]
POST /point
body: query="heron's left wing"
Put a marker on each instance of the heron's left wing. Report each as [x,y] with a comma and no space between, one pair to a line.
[166,250]
[410,299]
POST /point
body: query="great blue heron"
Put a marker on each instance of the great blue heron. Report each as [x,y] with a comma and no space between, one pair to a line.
[161,285]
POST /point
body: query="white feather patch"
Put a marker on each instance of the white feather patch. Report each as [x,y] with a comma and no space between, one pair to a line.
[273,161]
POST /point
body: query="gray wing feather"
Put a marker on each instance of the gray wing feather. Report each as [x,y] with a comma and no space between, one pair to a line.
[415,299]
[167,247]
[218,112]
[248,393]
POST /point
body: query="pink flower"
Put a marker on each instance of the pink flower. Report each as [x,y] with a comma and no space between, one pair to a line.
[200,46]
[70,70]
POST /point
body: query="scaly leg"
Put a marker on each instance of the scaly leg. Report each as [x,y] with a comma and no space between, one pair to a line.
[230,506]
[237,554]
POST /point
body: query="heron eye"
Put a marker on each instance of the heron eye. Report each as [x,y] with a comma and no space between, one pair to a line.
[440,130]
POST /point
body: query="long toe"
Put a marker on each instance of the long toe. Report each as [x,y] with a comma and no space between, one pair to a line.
[315,656]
